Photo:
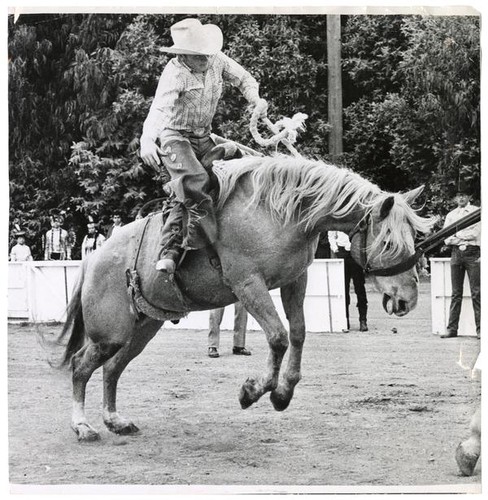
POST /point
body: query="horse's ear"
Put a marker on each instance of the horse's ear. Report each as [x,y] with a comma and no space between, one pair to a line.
[386,207]
[410,196]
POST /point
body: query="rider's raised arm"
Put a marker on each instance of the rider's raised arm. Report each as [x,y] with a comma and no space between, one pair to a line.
[237,76]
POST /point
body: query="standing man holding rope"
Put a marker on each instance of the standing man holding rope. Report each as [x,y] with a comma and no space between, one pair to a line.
[180,118]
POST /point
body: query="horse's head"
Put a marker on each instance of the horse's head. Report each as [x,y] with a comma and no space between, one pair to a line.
[383,243]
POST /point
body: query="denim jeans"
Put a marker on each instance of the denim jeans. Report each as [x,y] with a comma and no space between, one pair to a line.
[190,183]
[461,263]
[240,325]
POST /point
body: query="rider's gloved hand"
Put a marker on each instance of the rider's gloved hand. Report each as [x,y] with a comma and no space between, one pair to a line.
[150,153]
[261,107]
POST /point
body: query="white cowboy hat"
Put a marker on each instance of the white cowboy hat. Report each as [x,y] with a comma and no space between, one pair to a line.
[190,36]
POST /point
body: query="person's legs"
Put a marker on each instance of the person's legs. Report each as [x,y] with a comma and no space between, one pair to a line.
[215,320]
[240,327]
[472,264]
[457,285]
[360,290]
[190,183]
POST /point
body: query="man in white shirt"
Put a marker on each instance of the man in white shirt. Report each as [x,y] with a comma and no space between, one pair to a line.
[465,258]
[55,241]
[341,246]
[20,252]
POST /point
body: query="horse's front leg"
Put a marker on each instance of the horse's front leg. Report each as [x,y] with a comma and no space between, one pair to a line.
[255,297]
[292,296]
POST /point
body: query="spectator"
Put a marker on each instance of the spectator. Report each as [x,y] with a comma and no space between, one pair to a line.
[341,247]
[15,227]
[70,242]
[20,252]
[240,325]
[55,240]
[117,224]
[91,241]
[465,258]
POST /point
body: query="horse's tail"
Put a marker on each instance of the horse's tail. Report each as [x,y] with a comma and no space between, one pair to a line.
[74,326]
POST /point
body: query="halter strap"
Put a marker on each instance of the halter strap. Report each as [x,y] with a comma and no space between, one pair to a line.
[426,244]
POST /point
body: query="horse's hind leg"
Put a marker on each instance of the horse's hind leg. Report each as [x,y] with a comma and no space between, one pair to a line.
[468,452]
[292,296]
[90,357]
[112,370]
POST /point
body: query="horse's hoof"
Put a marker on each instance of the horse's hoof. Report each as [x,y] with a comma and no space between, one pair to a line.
[466,461]
[122,429]
[86,433]
[279,402]
[128,429]
[248,394]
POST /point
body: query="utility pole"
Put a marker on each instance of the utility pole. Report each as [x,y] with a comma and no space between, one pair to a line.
[334,85]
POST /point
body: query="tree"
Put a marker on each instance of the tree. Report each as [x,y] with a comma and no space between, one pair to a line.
[426,120]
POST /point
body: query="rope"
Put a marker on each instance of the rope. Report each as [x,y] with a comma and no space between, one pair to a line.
[289,127]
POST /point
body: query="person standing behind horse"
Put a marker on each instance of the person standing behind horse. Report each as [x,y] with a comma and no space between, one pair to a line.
[341,246]
[91,241]
[180,118]
[117,224]
[240,326]
[55,241]
[465,258]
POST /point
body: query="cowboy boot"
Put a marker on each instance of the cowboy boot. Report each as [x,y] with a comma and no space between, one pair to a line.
[171,239]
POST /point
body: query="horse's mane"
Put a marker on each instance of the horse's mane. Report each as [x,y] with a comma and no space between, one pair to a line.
[303,191]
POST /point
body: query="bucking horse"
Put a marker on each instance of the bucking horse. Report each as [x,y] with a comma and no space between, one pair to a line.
[270,212]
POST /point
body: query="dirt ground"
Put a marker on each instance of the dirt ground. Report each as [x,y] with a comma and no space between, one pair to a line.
[373,409]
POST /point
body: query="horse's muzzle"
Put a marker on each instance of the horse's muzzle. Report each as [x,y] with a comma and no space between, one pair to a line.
[394,305]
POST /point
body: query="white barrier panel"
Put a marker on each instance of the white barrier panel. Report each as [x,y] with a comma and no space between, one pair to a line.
[441,299]
[18,292]
[45,286]
[40,291]
[324,306]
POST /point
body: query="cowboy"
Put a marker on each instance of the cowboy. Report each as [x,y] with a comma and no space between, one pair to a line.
[465,259]
[180,118]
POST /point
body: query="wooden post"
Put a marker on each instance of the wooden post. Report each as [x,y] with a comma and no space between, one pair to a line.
[334,85]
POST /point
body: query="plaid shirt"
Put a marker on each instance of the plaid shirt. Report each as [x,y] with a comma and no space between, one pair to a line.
[187,101]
